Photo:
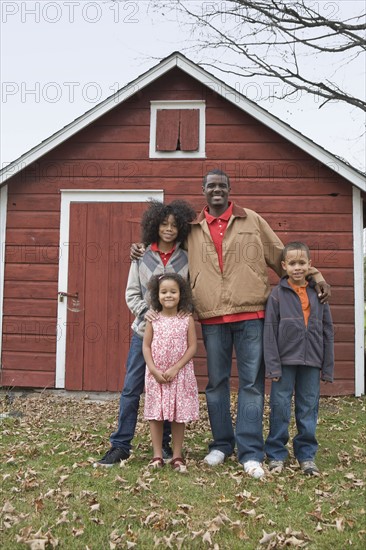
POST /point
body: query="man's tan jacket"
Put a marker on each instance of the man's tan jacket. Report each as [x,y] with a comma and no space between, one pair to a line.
[248,247]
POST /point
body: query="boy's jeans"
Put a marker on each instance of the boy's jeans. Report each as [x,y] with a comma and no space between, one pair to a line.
[246,338]
[306,383]
[130,398]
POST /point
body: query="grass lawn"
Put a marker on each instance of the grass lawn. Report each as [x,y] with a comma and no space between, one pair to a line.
[52,496]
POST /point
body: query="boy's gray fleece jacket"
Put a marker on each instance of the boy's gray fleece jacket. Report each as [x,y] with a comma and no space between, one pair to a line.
[287,341]
[141,271]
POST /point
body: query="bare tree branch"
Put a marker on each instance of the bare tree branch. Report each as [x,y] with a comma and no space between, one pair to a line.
[272,38]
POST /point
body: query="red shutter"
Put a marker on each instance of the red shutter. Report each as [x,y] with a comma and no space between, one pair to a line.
[189,126]
[167,129]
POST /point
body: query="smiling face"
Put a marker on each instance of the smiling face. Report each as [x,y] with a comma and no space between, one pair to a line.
[216,191]
[297,266]
[168,233]
[169,296]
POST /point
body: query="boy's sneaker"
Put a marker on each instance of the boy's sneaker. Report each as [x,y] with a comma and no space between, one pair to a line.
[113,456]
[214,458]
[275,466]
[167,452]
[309,468]
[253,468]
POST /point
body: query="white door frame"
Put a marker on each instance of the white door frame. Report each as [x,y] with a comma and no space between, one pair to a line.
[69,196]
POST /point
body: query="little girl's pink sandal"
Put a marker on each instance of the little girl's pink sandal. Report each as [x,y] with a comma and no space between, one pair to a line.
[179,465]
[156,462]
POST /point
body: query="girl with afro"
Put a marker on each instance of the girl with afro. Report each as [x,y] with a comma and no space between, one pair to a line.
[164,228]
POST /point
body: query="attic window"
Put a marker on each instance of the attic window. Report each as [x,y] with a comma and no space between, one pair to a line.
[177,129]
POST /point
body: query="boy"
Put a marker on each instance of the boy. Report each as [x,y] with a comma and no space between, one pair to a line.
[298,350]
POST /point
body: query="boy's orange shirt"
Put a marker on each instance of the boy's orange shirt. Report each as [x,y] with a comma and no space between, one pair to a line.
[304,299]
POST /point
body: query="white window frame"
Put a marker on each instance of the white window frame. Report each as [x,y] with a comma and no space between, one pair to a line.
[188,104]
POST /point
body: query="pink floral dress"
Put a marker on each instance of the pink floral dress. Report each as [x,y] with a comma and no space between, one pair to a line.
[177,400]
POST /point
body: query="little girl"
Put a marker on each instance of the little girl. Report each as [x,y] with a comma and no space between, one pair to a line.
[169,345]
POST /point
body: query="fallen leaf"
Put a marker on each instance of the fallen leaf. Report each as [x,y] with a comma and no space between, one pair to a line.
[207,538]
[250,513]
[267,537]
[37,544]
[8,508]
[185,507]
[62,479]
[293,541]
[95,507]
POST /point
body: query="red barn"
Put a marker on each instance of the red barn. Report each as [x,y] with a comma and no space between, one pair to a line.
[71,206]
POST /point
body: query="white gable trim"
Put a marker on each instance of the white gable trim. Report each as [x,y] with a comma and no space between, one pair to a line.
[359,293]
[3,211]
[67,197]
[222,89]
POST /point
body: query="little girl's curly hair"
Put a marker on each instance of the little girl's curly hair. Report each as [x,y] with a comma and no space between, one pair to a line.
[157,212]
[185,299]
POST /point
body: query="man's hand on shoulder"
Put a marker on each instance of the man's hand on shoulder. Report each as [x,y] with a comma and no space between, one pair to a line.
[323,290]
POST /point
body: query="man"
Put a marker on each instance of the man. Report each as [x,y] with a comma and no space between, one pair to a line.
[229,249]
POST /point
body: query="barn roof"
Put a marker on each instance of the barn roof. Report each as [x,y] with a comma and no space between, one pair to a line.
[176,59]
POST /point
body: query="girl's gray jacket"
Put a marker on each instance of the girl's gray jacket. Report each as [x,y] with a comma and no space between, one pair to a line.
[287,340]
[141,271]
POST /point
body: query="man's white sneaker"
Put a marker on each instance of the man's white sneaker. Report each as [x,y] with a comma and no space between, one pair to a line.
[214,458]
[253,469]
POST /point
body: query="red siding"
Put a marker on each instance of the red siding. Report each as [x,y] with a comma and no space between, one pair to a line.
[300,198]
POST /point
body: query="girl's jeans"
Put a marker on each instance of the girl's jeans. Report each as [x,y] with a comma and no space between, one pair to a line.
[130,398]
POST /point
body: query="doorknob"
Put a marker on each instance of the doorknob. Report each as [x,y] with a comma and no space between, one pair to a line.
[62,295]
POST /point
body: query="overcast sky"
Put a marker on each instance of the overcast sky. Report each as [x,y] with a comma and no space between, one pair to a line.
[61,58]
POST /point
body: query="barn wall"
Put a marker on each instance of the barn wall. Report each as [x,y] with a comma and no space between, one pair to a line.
[300,198]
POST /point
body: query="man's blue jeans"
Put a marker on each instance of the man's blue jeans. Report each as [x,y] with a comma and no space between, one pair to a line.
[306,383]
[130,398]
[220,340]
